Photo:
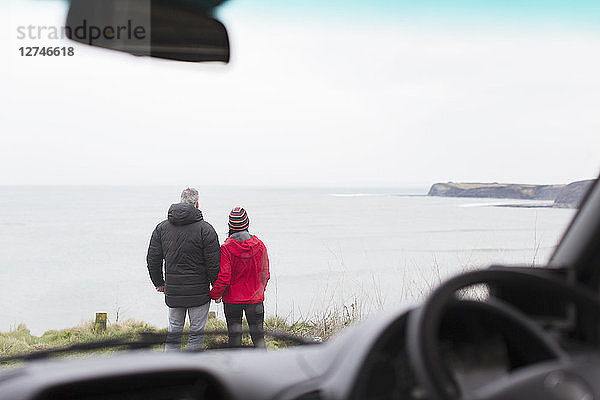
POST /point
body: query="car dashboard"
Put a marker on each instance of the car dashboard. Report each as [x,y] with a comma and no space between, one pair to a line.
[450,347]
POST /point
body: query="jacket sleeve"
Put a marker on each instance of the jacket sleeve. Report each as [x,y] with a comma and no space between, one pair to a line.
[224,279]
[266,273]
[155,258]
[212,253]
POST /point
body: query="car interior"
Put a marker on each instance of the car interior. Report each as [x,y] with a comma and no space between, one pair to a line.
[500,333]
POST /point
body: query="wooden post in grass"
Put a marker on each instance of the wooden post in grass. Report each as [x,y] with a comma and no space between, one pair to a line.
[100,324]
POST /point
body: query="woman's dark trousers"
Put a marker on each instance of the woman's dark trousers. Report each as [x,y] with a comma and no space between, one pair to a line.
[255,315]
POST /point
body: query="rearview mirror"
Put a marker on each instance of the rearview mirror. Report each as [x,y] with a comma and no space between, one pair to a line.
[184,30]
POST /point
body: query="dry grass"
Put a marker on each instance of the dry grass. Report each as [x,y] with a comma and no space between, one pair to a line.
[20,340]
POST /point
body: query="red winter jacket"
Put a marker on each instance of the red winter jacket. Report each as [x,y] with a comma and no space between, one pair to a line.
[244,272]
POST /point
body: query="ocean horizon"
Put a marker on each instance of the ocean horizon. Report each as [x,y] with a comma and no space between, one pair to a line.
[72,251]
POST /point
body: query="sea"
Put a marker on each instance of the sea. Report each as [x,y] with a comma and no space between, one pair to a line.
[69,252]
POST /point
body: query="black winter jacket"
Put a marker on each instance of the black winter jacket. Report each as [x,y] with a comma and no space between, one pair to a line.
[190,247]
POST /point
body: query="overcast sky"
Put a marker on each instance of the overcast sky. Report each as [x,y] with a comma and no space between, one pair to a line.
[375,95]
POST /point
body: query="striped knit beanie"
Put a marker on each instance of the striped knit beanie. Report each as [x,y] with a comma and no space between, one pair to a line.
[238,219]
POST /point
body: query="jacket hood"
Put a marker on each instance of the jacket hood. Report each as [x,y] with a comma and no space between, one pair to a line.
[184,214]
[244,249]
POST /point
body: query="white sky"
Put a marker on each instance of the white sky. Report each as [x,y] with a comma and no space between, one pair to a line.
[316,103]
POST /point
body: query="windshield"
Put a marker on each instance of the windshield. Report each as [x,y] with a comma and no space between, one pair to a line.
[377,147]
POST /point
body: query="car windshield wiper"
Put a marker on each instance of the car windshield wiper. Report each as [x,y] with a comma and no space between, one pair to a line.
[143,340]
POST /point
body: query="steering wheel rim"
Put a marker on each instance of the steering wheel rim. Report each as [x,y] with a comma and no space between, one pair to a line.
[424,322]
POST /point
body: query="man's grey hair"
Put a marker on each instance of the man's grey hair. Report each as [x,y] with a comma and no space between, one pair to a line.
[189,195]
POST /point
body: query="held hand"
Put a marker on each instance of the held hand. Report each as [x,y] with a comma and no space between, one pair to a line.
[218,300]
[160,289]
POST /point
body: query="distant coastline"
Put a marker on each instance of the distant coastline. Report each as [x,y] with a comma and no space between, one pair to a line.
[563,196]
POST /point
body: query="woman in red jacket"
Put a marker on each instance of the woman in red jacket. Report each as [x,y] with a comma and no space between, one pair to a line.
[242,280]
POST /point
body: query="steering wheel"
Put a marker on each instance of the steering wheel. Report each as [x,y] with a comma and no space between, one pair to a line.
[550,375]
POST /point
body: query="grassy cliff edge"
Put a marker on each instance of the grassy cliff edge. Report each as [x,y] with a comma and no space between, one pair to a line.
[20,340]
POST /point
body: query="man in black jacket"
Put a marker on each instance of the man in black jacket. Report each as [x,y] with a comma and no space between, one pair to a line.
[190,249]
